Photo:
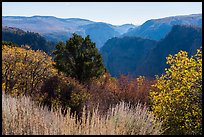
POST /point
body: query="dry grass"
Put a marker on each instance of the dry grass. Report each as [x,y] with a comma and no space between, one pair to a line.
[21,116]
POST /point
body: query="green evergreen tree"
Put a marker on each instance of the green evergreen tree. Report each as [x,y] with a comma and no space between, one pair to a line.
[79,58]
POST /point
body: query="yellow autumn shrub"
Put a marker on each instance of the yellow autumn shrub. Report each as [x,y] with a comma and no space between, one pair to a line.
[24,70]
[29,72]
[177,99]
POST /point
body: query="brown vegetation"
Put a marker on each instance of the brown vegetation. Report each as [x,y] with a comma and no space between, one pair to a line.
[21,116]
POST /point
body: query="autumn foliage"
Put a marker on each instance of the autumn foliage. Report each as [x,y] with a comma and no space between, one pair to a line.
[31,73]
[63,92]
[178,98]
[108,91]
[23,71]
[175,98]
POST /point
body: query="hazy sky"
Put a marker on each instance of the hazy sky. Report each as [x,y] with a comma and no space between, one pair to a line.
[116,13]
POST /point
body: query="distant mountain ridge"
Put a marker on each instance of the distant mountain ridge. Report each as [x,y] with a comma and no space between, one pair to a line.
[139,56]
[58,29]
[61,29]
[157,29]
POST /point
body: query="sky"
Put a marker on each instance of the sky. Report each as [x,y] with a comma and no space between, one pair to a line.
[116,13]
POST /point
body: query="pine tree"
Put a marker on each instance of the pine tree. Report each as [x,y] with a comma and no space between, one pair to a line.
[79,58]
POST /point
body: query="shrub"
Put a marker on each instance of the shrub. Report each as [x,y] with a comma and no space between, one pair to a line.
[178,98]
[134,90]
[23,71]
[64,92]
[108,91]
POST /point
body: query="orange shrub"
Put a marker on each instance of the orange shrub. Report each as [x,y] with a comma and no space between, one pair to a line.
[108,91]
[134,89]
[103,93]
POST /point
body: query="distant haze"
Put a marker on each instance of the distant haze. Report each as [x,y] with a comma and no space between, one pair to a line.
[116,13]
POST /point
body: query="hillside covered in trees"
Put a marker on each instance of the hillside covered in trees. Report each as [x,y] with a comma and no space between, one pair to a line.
[137,56]
[186,38]
[20,37]
[123,55]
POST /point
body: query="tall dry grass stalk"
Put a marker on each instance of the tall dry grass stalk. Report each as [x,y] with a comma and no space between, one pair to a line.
[20,116]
